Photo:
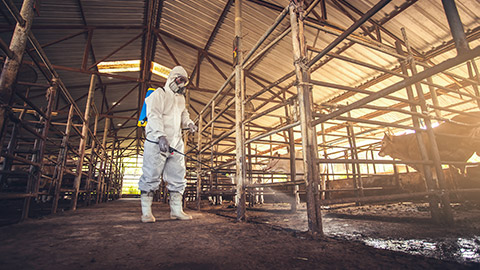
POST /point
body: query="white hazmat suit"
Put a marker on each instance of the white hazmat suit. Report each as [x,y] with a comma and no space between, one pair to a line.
[166,115]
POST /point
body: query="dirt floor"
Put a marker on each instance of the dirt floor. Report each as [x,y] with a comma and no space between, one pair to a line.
[109,236]
[404,227]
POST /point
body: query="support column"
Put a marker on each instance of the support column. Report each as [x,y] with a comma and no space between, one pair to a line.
[444,196]
[92,164]
[11,66]
[103,163]
[239,115]
[83,143]
[309,141]
[199,166]
[456,26]
[357,176]
[472,66]
[326,176]
[61,160]
[293,170]
[429,181]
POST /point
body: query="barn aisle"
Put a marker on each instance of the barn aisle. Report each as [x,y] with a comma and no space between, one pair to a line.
[110,236]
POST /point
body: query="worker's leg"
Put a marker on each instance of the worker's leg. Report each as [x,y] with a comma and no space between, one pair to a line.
[153,164]
[174,175]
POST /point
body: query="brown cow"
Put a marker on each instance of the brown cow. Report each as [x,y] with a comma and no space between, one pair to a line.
[450,147]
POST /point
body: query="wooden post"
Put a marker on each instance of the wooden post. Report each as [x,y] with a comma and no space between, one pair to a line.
[61,160]
[199,166]
[11,66]
[51,96]
[326,178]
[444,197]
[211,154]
[101,175]
[293,169]
[471,75]
[239,116]
[112,171]
[83,143]
[433,94]
[309,143]
[33,181]
[93,163]
[357,176]
[429,181]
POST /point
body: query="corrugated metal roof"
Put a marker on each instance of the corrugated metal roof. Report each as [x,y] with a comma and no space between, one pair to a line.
[187,25]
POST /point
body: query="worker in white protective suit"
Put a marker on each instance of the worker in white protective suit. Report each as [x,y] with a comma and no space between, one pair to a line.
[166,114]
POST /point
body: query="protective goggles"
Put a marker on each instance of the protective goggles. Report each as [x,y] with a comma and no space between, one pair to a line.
[181,79]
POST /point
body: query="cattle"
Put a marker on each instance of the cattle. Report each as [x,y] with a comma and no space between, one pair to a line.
[455,141]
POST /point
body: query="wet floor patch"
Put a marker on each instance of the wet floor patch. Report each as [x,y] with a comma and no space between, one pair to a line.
[463,250]
[403,227]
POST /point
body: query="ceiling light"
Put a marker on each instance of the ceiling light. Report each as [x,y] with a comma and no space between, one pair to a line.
[131,66]
[160,70]
[119,66]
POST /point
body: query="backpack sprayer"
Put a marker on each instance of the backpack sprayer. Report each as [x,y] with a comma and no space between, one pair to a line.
[142,122]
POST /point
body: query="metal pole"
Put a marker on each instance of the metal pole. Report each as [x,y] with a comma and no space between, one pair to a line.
[456,26]
[402,84]
[350,30]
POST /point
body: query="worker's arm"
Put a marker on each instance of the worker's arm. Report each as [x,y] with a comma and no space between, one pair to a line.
[155,104]
[186,121]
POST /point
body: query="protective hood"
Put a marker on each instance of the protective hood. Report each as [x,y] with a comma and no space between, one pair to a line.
[176,72]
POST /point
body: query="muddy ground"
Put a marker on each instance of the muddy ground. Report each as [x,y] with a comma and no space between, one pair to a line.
[109,236]
[404,227]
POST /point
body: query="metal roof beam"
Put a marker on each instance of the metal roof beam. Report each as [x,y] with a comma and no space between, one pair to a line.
[117,50]
[212,37]
[61,39]
[377,25]
[164,44]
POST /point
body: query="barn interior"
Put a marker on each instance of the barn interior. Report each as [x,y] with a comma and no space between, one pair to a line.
[312,115]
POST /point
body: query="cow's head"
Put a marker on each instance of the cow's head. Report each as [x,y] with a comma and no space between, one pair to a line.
[272,162]
[387,142]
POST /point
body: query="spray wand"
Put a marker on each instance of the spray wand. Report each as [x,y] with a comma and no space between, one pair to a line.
[171,150]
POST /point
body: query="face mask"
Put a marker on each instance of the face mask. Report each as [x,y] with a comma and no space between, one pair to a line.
[178,85]
[177,88]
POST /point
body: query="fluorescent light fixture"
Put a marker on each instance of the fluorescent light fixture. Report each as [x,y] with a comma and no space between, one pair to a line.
[119,66]
[160,70]
[130,66]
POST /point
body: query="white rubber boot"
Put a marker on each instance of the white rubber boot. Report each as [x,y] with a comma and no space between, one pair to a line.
[146,202]
[176,208]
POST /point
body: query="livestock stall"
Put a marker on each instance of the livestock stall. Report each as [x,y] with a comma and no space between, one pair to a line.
[318,120]
[339,126]
[326,79]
